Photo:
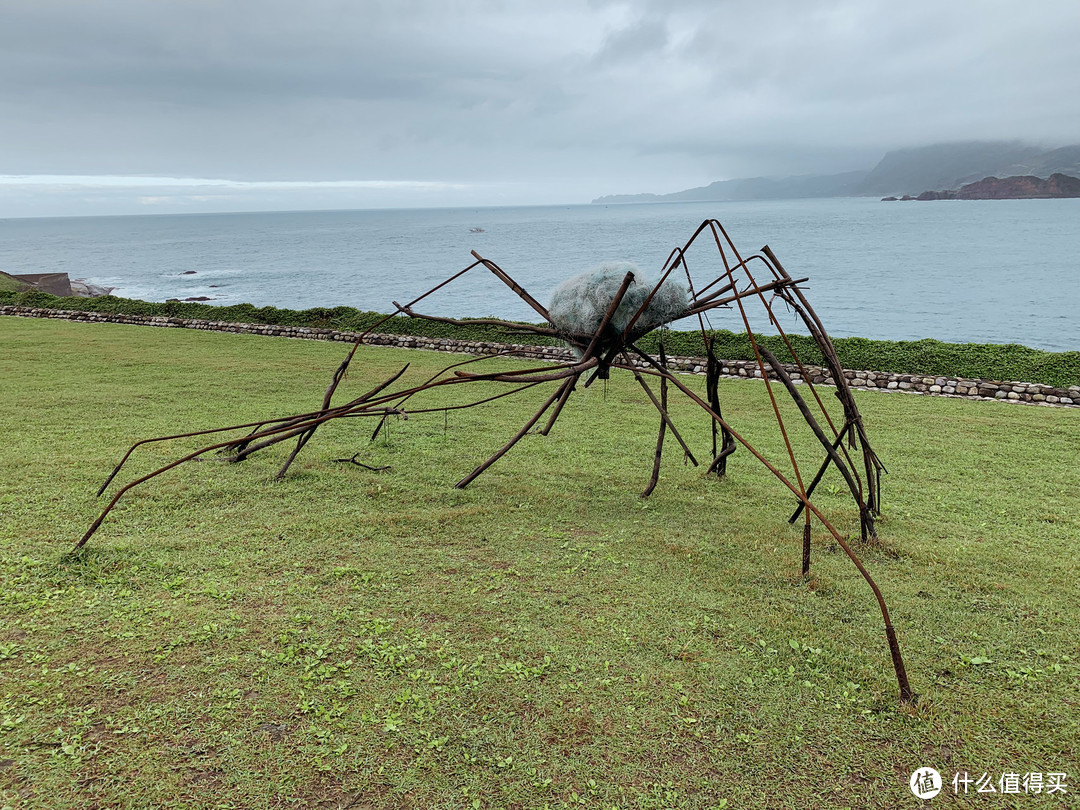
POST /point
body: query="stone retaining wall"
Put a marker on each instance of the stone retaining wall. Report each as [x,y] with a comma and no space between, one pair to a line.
[1020,392]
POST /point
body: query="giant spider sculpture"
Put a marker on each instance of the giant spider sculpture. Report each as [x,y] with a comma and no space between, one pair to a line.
[601,316]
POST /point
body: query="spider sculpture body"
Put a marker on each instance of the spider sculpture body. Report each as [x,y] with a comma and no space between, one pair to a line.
[601,316]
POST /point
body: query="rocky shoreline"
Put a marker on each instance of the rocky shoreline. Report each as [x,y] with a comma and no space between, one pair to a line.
[58,284]
[957,387]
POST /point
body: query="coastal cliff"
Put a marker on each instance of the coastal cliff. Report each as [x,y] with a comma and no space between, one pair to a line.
[1027,187]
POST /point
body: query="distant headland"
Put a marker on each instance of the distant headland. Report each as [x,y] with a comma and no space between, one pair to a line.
[1027,187]
[905,173]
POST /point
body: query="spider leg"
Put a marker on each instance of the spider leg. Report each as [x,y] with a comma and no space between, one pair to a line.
[343,369]
[305,437]
[285,431]
[712,382]
[821,472]
[906,693]
[788,290]
[872,464]
[504,277]
[660,407]
[256,426]
[564,394]
[468,479]
[867,519]
[510,325]
[663,429]
[712,303]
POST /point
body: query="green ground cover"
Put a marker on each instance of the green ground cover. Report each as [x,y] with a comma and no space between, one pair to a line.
[544,638]
[9,284]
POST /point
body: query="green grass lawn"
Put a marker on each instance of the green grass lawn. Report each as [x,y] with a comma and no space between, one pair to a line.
[544,638]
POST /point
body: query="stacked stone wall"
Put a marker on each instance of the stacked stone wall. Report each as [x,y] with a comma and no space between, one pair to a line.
[1018,392]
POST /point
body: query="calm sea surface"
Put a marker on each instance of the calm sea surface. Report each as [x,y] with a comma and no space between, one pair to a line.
[965,271]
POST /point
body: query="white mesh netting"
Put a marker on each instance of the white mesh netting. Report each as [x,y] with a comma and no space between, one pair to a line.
[579,304]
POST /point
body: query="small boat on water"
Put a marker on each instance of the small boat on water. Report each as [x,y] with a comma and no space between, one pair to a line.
[476,230]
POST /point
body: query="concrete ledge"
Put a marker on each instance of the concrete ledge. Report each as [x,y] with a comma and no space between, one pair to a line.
[987,390]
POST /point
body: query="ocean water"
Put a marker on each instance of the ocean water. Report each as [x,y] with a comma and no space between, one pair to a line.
[964,271]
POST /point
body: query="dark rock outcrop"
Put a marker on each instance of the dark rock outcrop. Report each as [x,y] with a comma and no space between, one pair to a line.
[59,284]
[81,288]
[51,283]
[1028,187]
[1021,188]
[937,195]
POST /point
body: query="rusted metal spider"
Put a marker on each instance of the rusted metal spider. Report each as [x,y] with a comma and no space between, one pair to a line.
[626,312]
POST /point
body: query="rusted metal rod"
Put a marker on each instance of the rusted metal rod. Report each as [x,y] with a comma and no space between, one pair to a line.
[564,394]
[820,473]
[616,300]
[547,331]
[662,408]
[800,403]
[871,462]
[533,375]
[720,302]
[504,277]
[468,479]
[660,436]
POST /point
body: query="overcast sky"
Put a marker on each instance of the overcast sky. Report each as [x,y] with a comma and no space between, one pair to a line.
[124,106]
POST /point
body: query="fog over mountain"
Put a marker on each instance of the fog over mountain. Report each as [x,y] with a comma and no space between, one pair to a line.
[904,171]
[951,165]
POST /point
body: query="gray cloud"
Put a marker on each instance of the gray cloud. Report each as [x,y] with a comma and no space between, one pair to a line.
[638,41]
[549,102]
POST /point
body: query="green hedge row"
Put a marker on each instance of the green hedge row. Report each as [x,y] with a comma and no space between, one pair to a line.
[928,357]
[346,319]
[931,358]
